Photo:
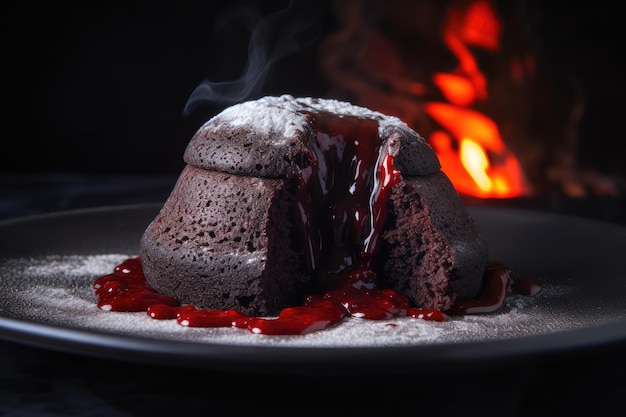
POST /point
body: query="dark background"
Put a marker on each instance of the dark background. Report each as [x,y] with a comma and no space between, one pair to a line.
[94,89]
[101,87]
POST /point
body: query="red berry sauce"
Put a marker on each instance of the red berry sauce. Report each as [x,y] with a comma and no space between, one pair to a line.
[126,289]
[341,210]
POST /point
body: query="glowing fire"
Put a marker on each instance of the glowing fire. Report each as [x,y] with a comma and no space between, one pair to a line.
[481,165]
[469,145]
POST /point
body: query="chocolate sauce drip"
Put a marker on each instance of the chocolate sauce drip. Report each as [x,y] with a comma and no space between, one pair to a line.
[498,281]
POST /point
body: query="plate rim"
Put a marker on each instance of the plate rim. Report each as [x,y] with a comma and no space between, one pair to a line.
[307,360]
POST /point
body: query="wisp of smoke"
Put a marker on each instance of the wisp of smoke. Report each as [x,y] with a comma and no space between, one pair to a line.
[272,37]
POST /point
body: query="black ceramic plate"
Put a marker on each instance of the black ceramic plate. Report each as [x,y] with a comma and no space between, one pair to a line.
[48,264]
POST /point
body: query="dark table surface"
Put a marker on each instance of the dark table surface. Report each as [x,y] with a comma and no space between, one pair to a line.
[35,381]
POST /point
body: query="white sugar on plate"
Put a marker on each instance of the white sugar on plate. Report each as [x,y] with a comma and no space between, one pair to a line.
[58,290]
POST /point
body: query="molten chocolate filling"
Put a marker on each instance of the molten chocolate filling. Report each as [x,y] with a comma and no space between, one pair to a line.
[342,197]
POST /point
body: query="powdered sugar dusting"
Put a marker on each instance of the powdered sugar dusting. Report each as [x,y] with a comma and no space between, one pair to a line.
[279,122]
[58,290]
[348,109]
[281,117]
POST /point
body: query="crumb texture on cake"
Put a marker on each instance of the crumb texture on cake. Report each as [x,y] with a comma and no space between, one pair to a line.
[446,251]
[219,242]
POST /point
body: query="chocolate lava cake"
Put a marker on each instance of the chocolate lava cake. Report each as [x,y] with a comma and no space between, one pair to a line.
[282,197]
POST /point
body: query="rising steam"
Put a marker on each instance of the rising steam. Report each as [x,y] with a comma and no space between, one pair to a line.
[271,38]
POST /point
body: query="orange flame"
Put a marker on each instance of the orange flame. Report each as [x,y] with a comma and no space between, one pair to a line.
[469,145]
[471,165]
